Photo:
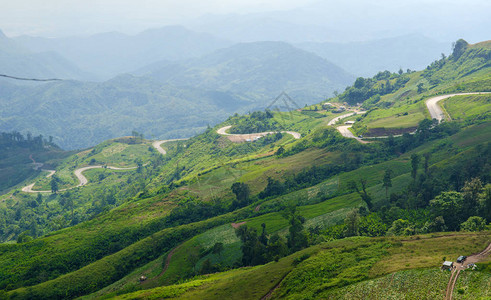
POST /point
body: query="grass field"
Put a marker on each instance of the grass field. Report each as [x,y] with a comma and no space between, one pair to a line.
[468,107]
[340,268]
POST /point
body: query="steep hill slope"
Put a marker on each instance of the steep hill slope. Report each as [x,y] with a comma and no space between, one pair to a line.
[258,71]
[81,114]
[278,216]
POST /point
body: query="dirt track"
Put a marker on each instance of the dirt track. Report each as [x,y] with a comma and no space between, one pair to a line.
[460,267]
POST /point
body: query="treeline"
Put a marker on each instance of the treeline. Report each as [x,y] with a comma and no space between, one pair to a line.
[372,88]
[456,196]
[258,121]
[16,139]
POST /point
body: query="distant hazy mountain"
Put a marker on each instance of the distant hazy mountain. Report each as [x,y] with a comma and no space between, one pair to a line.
[259,72]
[354,20]
[109,54]
[17,61]
[262,27]
[79,114]
[367,58]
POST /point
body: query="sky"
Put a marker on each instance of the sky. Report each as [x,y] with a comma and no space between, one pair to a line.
[55,18]
[444,20]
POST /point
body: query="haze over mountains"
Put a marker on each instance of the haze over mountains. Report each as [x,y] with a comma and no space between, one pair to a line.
[176,100]
[16,60]
[186,77]
[112,53]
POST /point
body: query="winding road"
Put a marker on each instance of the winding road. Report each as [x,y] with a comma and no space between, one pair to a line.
[157,145]
[238,138]
[79,172]
[436,112]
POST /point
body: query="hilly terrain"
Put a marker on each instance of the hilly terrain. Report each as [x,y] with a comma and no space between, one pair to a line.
[175,101]
[113,53]
[16,60]
[81,114]
[258,71]
[274,204]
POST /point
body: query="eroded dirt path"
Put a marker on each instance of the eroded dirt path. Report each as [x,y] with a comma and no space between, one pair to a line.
[239,138]
[475,258]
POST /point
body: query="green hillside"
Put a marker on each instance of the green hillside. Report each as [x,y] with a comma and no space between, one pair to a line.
[18,154]
[302,213]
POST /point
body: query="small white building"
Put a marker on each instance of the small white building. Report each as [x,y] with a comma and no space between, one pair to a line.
[447,265]
[349,122]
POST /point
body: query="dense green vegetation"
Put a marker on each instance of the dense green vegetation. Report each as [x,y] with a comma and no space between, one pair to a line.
[15,152]
[315,217]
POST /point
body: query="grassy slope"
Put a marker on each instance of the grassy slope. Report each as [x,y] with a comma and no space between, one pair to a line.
[153,208]
[318,272]
[473,107]
[325,214]
[470,73]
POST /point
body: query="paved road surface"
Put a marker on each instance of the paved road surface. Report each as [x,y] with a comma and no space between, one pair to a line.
[237,138]
[157,145]
[436,111]
[335,120]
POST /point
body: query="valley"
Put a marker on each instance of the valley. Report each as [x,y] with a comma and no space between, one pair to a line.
[358,194]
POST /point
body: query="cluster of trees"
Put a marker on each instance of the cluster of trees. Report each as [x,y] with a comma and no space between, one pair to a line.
[15,139]
[450,198]
[260,249]
[35,215]
[372,88]
[258,121]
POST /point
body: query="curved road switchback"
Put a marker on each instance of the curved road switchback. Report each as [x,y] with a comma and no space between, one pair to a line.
[434,109]
[237,138]
[157,145]
[79,172]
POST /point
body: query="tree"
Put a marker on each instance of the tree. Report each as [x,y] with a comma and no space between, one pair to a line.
[474,223]
[401,227]
[242,192]
[414,165]
[427,156]
[352,222]
[217,248]
[54,184]
[420,88]
[459,48]
[280,151]
[253,251]
[363,193]
[387,182]
[471,191]
[39,198]
[193,259]
[297,238]
[448,205]
[276,247]
[485,202]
